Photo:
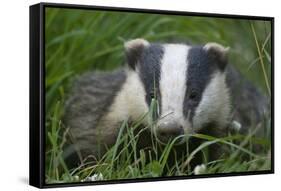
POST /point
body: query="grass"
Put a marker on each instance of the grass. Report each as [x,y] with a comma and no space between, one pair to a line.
[78,41]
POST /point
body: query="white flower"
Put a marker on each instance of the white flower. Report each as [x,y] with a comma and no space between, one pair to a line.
[200,169]
[235,125]
[95,177]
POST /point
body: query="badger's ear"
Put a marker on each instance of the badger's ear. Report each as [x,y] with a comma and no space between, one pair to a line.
[134,49]
[217,53]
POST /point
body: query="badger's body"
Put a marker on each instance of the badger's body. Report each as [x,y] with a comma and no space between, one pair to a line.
[196,91]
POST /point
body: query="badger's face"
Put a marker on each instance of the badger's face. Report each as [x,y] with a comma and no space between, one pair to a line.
[188,82]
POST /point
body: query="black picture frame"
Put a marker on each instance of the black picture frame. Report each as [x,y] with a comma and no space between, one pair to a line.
[37,93]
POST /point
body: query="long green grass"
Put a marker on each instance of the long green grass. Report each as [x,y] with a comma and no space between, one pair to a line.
[78,41]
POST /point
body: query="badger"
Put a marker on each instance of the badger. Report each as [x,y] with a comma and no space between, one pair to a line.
[196,89]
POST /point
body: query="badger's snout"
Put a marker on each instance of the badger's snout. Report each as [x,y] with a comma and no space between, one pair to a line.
[169,130]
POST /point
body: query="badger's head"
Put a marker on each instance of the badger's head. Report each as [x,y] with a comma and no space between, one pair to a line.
[188,82]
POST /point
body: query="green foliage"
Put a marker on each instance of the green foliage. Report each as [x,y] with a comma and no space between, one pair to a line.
[78,41]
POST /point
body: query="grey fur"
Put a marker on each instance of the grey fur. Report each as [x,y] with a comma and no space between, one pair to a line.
[92,95]
[250,106]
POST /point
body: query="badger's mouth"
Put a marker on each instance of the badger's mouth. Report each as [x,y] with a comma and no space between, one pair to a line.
[178,140]
[171,134]
[170,129]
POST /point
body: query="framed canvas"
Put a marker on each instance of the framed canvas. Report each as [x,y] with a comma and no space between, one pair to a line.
[127,95]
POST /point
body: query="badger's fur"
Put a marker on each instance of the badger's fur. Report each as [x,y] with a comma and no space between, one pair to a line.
[196,89]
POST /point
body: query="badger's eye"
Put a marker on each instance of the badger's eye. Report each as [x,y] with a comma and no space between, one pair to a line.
[152,95]
[193,95]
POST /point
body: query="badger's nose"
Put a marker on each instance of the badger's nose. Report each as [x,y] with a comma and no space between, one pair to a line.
[169,130]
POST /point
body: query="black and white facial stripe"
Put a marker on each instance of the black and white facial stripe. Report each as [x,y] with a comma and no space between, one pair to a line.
[149,71]
[201,68]
[174,67]
[182,76]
